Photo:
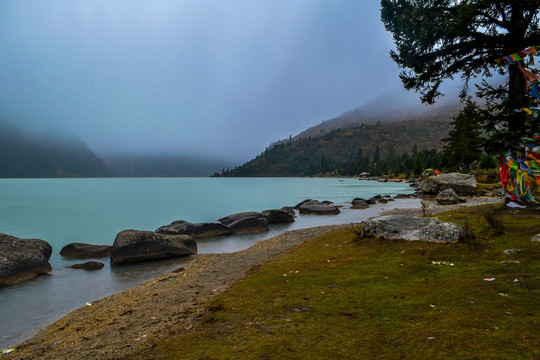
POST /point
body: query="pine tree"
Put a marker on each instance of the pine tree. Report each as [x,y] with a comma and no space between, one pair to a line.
[438,39]
[464,141]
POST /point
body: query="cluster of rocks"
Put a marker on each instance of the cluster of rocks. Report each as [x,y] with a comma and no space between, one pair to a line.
[21,259]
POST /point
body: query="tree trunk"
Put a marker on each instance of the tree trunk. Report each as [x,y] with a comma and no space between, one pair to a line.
[516,99]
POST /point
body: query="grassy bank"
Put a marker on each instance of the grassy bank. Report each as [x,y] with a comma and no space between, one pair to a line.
[336,297]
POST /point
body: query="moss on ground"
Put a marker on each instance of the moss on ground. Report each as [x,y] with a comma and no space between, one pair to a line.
[334,297]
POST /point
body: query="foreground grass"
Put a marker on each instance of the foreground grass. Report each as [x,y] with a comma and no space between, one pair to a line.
[334,297]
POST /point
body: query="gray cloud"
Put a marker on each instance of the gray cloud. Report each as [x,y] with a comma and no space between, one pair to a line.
[205,77]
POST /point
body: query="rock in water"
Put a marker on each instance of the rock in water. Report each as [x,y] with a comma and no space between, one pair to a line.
[314,207]
[462,184]
[227,220]
[278,216]
[85,251]
[198,230]
[89,265]
[22,259]
[413,228]
[359,203]
[248,222]
[249,225]
[136,245]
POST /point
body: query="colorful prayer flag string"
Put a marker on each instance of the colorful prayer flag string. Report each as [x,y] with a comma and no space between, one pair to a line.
[520,55]
[518,173]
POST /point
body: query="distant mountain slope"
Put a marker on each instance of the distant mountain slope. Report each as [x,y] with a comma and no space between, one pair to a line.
[383,110]
[304,157]
[31,156]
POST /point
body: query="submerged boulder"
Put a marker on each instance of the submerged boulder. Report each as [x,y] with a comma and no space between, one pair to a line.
[462,184]
[198,230]
[22,259]
[289,209]
[85,251]
[278,216]
[314,207]
[229,219]
[359,203]
[248,222]
[413,228]
[249,225]
[137,245]
[89,265]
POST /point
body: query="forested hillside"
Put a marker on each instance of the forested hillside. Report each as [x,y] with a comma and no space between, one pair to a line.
[31,156]
[349,151]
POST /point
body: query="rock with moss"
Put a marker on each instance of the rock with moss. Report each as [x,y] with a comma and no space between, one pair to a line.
[413,228]
[536,238]
[462,184]
[22,259]
[136,245]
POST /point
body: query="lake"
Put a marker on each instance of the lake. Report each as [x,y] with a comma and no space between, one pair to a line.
[62,211]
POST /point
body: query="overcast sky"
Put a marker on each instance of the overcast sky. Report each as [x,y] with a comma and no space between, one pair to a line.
[217,78]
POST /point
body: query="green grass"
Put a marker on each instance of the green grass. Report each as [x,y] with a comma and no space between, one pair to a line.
[334,298]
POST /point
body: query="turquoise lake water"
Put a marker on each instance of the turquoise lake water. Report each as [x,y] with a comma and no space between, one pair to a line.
[62,211]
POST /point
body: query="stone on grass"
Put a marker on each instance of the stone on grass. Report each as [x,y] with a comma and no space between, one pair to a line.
[413,228]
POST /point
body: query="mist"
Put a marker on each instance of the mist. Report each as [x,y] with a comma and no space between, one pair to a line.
[210,79]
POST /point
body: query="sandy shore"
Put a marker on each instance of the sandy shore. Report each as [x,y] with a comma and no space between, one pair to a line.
[125,323]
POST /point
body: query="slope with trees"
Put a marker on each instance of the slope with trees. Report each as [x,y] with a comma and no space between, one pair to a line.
[437,40]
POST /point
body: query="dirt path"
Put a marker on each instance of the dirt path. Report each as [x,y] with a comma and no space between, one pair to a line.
[125,323]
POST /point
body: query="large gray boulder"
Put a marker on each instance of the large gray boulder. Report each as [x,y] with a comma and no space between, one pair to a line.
[462,184]
[22,259]
[198,230]
[278,216]
[413,228]
[137,245]
[85,251]
[315,207]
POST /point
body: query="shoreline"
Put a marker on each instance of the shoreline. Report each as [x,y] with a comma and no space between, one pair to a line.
[126,322]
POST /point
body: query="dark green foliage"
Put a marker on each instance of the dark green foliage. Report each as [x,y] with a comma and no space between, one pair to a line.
[348,152]
[463,141]
[492,221]
[438,39]
[487,162]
